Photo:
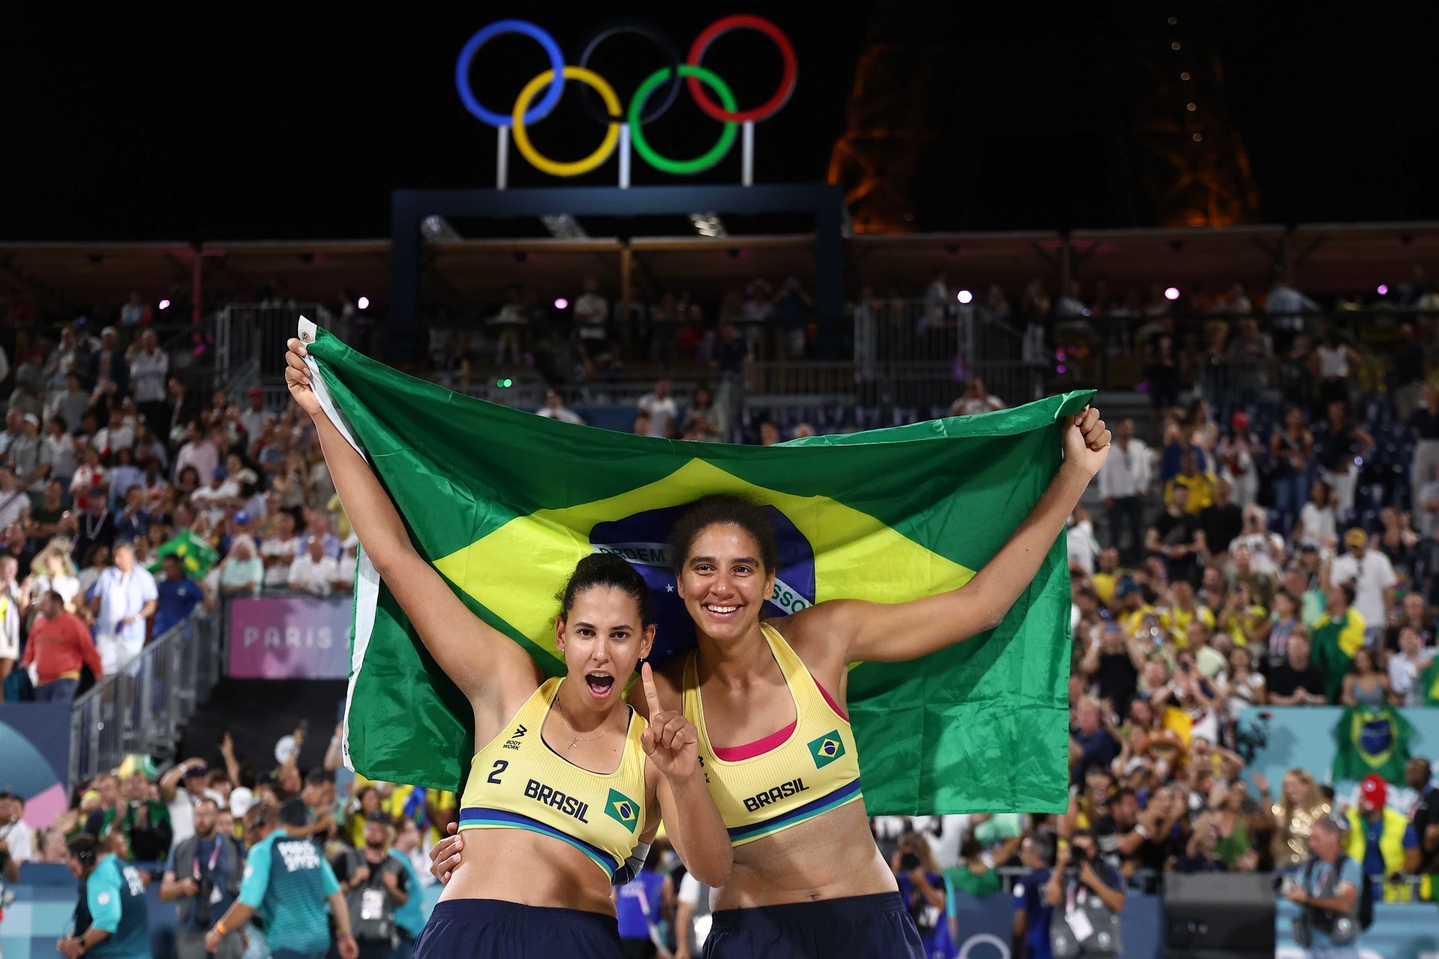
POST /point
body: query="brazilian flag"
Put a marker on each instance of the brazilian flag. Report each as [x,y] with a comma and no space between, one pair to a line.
[1372,740]
[1429,682]
[504,503]
[195,554]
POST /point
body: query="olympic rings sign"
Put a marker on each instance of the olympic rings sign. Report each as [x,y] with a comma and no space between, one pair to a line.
[624,125]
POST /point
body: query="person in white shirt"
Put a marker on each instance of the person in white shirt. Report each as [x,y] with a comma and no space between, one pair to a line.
[1083,547]
[180,789]
[278,552]
[14,834]
[219,497]
[254,417]
[115,437]
[199,452]
[61,450]
[1408,665]
[1373,577]
[1123,480]
[14,501]
[555,409]
[124,597]
[149,369]
[976,400]
[661,409]
[313,571]
[1266,549]
[591,311]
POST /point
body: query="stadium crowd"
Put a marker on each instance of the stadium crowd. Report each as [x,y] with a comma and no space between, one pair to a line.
[1286,556]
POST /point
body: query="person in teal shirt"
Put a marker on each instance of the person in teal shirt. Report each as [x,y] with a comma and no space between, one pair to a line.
[111,920]
[287,881]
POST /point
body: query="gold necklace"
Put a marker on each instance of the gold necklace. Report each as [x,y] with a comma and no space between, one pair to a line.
[576,740]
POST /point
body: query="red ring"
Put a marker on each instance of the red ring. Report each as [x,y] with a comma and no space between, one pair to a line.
[725,25]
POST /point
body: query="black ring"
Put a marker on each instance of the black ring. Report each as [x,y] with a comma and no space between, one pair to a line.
[645,29]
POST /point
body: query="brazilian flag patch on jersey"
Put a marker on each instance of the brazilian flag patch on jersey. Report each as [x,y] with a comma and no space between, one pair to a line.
[623,810]
[826,749]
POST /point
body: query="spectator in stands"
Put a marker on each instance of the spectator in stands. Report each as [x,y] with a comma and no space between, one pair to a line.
[1338,635]
[61,452]
[29,458]
[1424,817]
[241,573]
[109,373]
[1381,839]
[1345,447]
[123,597]
[556,409]
[1366,685]
[180,789]
[14,500]
[1406,666]
[1123,481]
[591,312]
[72,405]
[313,571]
[58,645]
[13,605]
[1298,682]
[1176,536]
[1093,877]
[1318,521]
[176,595]
[15,843]
[922,889]
[1237,453]
[29,394]
[202,876]
[52,569]
[662,410]
[199,452]
[1372,576]
[254,417]
[975,400]
[703,420]
[279,549]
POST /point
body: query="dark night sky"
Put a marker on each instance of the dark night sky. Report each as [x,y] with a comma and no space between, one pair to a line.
[123,124]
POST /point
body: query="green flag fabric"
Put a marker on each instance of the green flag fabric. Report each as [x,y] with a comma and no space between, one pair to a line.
[196,554]
[1429,682]
[504,503]
[1372,740]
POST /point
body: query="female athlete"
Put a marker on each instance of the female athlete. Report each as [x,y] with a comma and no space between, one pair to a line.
[768,701]
[567,776]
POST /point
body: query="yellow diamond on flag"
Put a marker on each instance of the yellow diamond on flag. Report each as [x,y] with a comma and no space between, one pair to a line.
[516,570]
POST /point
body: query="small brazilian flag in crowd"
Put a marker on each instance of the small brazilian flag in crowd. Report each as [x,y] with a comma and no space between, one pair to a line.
[1372,740]
[504,503]
[1429,682]
[197,555]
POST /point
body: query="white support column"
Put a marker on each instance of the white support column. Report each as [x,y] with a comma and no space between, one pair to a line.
[747,155]
[502,158]
[624,156]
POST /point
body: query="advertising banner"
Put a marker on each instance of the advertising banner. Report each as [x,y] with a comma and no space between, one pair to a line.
[290,637]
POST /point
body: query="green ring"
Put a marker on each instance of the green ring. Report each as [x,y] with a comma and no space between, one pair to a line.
[664,163]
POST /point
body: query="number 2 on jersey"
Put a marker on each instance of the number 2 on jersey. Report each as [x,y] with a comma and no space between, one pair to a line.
[500,766]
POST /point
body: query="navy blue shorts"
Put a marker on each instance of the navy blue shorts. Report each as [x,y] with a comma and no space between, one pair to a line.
[855,927]
[495,929]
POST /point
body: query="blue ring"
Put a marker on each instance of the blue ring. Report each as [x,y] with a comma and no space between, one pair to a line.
[557,63]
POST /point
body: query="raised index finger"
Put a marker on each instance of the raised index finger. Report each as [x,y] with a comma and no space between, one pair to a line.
[652,696]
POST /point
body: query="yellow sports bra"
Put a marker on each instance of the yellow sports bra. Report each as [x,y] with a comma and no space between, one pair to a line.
[518,782]
[797,773]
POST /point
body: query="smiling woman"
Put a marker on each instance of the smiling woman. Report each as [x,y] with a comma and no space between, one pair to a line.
[569,777]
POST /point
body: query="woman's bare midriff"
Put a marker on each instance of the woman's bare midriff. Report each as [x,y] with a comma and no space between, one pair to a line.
[524,867]
[828,857]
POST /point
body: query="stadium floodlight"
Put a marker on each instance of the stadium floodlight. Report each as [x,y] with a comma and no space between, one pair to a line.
[965,296]
[561,303]
[164,304]
[1172,293]
[708,224]
[364,303]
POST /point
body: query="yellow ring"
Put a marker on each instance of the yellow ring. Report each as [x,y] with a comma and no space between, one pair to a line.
[574,168]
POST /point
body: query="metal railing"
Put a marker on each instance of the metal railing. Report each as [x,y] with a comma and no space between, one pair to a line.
[257,331]
[141,707]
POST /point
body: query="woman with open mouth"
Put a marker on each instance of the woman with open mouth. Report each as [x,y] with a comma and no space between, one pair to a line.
[570,777]
[768,702]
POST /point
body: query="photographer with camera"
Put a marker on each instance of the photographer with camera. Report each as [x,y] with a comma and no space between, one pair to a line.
[1327,891]
[1087,896]
[203,876]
